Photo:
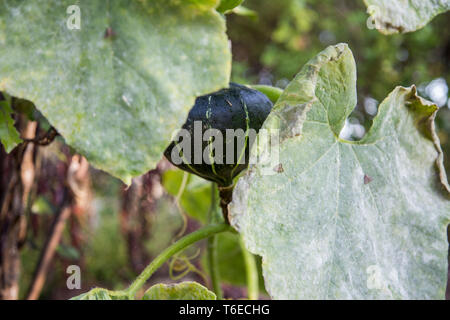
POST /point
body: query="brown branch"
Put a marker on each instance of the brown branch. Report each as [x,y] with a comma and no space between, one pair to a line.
[79,182]
[27,177]
[47,254]
[17,175]
[75,192]
[447,290]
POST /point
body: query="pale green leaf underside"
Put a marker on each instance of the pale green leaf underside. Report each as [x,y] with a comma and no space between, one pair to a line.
[115,96]
[181,291]
[348,220]
[394,16]
[9,136]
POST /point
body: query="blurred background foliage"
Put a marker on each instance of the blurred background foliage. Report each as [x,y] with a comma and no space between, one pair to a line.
[287,33]
[271,41]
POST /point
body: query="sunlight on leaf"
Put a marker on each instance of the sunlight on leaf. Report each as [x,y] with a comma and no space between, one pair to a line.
[348,220]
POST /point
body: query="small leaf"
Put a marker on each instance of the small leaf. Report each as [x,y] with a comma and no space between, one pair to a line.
[227,5]
[322,232]
[394,16]
[9,136]
[102,294]
[180,291]
[68,252]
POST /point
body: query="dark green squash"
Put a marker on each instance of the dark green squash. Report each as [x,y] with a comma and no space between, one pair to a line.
[236,107]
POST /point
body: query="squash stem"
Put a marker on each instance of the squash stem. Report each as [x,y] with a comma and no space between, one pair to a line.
[226,195]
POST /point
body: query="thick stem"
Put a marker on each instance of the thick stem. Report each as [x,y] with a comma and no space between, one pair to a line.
[75,204]
[47,254]
[178,246]
[251,271]
[273,93]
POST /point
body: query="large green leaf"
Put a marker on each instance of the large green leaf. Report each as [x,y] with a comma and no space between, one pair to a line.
[394,16]
[181,291]
[360,220]
[9,136]
[118,88]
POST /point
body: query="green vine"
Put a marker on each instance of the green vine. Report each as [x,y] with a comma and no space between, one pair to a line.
[178,246]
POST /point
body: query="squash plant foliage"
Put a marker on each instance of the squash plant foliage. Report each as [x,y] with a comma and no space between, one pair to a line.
[114,88]
[394,16]
[346,219]
[336,219]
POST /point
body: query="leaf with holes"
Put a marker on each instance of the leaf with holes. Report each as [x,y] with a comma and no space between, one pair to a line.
[348,219]
[394,16]
[118,87]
